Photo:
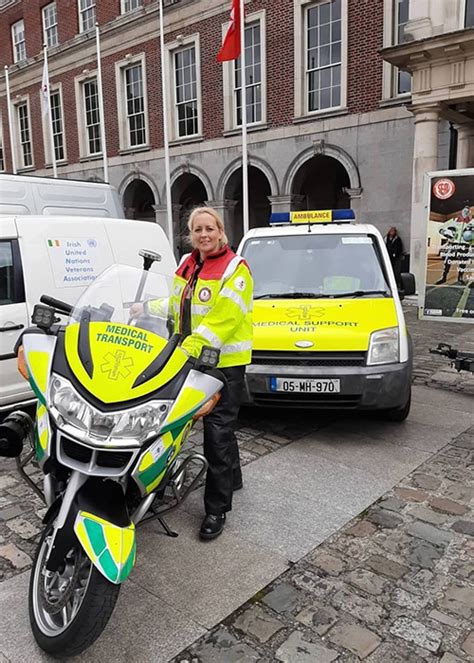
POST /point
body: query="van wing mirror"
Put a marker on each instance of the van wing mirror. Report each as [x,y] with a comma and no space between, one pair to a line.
[408,283]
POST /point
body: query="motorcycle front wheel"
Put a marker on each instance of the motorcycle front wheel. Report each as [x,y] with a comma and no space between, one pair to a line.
[70,608]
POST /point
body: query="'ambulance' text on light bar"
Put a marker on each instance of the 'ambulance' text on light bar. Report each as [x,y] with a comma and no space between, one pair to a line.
[313,216]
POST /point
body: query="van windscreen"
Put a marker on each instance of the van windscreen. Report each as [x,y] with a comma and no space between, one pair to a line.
[315,266]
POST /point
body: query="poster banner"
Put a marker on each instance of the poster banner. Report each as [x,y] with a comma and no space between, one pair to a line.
[447,292]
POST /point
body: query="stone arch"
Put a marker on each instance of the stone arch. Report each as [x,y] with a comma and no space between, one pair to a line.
[187,191]
[191,170]
[256,162]
[139,200]
[138,175]
[320,147]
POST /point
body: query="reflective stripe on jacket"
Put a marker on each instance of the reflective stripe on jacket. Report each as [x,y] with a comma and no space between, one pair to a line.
[221,306]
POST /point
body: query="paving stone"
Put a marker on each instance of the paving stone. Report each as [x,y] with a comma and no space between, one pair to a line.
[384,518]
[298,650]
[15,556]
[468,644]
[426,481]
[361,529]
[429,533]
[222,647]
[421,512]
[459,600]
[22,527]
[424,582]
[320,619]
[411,495]
[7,481]
[463,570]
[424,555]
[386,567]
[465,441]
[459,492]
[314,583]
[443,618]
[448,506]
[11,512]
[362,609]
[451,658]
[255,621]
[326,562]
[366,581]
[416,632]
[407,600]
[463,527]
[283,598]
[358,640]
[391,504]
[387,652]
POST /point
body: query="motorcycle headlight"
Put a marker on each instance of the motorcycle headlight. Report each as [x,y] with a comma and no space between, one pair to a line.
[384,347]
[135,425]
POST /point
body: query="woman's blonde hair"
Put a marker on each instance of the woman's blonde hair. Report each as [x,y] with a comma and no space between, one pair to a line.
[215,215]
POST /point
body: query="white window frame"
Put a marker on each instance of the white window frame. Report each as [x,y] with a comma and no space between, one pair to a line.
[18,45]
[56,89]
[171,49]
[23,101]
[124,133]
[123,6]
[2,148]
[79,83]
[390,72]
[228,71]
[83,10]
[301,93]
[52,29]
[463,15]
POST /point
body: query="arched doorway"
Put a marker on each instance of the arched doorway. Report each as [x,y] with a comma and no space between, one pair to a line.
[187,192]
[259,204]
[321,182]
[138,201]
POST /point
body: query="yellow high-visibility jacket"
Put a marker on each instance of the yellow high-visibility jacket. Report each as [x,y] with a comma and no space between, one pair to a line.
[221,305]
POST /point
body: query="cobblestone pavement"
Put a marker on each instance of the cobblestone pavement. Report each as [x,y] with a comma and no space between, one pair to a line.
[397,584]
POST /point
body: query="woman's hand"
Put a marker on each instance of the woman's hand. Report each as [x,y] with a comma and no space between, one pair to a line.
[136,309]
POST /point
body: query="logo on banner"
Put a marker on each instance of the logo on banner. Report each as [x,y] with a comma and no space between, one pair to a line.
[204,295]
[444,188]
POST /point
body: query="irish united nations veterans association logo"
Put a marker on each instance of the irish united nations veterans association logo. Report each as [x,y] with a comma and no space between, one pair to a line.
[204,294]
[444,188]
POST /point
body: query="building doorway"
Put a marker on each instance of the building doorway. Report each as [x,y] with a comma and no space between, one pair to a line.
[321,182]
[187,192]
[138,201]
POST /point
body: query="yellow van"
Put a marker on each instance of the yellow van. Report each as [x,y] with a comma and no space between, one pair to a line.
[329,329]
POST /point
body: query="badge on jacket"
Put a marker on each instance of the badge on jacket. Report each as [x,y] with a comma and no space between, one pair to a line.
[205,294]
[240,283]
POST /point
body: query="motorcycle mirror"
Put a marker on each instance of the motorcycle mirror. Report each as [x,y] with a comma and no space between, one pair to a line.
[149,257]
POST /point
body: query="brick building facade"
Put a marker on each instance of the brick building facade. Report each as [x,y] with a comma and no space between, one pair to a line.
[329,123]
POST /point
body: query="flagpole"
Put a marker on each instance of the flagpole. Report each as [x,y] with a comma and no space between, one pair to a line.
[245,172]
[10,119]
[50,115]
[103,141]
[169,208]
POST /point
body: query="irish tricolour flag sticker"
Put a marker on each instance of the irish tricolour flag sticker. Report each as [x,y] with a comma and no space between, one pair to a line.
[54,242]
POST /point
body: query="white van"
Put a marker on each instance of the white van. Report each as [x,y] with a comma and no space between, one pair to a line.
[27,194]
[59,256]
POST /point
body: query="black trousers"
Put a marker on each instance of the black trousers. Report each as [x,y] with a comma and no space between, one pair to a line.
[220,444]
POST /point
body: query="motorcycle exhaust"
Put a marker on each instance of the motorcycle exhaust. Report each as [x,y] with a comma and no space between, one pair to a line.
[13,432]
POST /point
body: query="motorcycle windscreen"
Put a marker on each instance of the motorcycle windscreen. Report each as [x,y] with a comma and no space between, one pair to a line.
[111,344]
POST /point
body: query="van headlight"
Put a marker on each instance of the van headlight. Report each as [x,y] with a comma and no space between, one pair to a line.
[135,425]
[384,347]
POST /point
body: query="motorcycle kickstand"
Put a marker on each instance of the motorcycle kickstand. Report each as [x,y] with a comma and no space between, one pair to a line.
[165,526]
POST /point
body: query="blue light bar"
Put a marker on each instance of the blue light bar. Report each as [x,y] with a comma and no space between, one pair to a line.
[312,216]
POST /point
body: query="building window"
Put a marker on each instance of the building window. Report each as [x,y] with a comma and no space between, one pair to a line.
[186,94]
[469,15]
[130,5]
[57,123]
[50,25]
[253,77]
[86,15]
[18,39]
[26,154]
[92,117]
[402,78]
[135,101]
[2,159]
[324,56]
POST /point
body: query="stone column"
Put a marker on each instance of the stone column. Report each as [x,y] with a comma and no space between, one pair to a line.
[355,195]
[425,159]
[465,151]
[161,218]
[288,203]
[226,209]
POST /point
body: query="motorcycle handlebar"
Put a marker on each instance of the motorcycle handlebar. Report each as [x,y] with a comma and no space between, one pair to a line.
[56,303]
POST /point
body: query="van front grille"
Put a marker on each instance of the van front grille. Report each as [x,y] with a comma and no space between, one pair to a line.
[327,401]
[277,358]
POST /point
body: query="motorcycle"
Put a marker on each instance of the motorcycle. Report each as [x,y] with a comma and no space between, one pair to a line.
[117,399]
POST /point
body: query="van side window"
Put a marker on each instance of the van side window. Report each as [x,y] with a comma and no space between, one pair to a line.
[11,278]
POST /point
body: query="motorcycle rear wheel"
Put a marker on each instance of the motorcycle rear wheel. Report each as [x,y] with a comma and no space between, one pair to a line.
[70,608]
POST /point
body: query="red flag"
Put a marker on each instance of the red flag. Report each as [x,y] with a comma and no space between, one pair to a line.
[230,49]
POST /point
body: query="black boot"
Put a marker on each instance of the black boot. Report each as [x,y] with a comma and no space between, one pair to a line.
[212,526]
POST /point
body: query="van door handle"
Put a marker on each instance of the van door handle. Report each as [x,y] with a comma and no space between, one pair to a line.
[11,328]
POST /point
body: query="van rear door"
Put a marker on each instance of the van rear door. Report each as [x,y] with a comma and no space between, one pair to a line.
[13,314]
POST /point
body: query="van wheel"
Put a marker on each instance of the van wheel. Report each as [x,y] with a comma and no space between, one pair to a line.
[398,414]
